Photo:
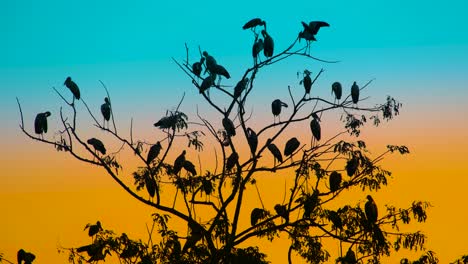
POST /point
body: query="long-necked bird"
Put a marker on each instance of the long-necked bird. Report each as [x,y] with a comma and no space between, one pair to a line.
[106,111]
[153,152]
[229,127]
[355,93]
[276,106]
[252,139]
[93,229]
[97,145]
[40,123]
[275,151]
[291,146]
[268,44]
[253,23]
[73,88]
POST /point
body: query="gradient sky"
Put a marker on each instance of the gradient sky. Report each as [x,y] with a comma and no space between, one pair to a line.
[417,51]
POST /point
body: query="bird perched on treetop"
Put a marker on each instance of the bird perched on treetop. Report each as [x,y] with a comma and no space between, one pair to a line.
[98,145]
[179,162]
[253,23]
[274,150]
[40,123]
[307,82]
[371,210]
[310,30]
[252,139]
[355,93]
[153,152]
[337,90]
[106,110]
[315,128]
[276,106]
[73,88]
[93,229]
[291,146]
[229,127]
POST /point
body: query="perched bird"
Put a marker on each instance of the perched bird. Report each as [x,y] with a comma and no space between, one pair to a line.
[207,186]
[207,83]
[315,128]
[291,146]
[196,233]
[40,123]
[153,152]
[268,44]
[93,229]
[229,127]
[276,106]
[188,166]
[106,110]
[197,67]
[179,162]
[150,184]
[240,87]
[307,82]
[255,215]
[73,88]
[371,210]
[335,181]
[252,139]
[27,257]
[275,151]
[282,211]
[256,49]
[210,62]
[335,218]
[253,23]
[355,93]
[337,90]
[220,70]
[231,161]
[351,166]
[350,257]
[310,30]
[97,145]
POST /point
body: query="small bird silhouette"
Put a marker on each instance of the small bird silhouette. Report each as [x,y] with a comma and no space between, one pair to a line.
[106,111]
[197,67]
[229,127]
[355,93]
[291,146]
[307,82]
[40,123]
[275,151]
[268,44]
[153,152]
[93,229]
[231,161]
[337,90]
[252,139]
[335,181]
[315,128]
[256,49]
[276,106]
[73,88]
[253,23]
[179,162]
[98,145]
[371,210]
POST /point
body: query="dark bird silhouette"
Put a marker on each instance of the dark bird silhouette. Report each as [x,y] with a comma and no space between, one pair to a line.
[337,90]
[40,123]
[350,257]
[256,49]
[335,181]
[27,257]
[255,215]
[282,211]
[275,151]
[335,218]
[351,166]
[231,161]
[97,145]
[240,87]
[210,62]
[276,106]
[355,93]
[197,67]
[310,30]
[106,110]
[307,82]
[315,128]
[371,210]
[150,184]
[291,146]
[153,152]
[268,44]
[93,229]
[196,233]
[73,88]
[188,166]
[207,83]
[252,139]
[179,162]
[253,23]
[220,70]
[229,127]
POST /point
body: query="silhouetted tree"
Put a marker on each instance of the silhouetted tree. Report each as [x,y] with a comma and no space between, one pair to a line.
[306,215]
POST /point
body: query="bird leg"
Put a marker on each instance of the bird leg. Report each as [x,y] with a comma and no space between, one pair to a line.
[175,198]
